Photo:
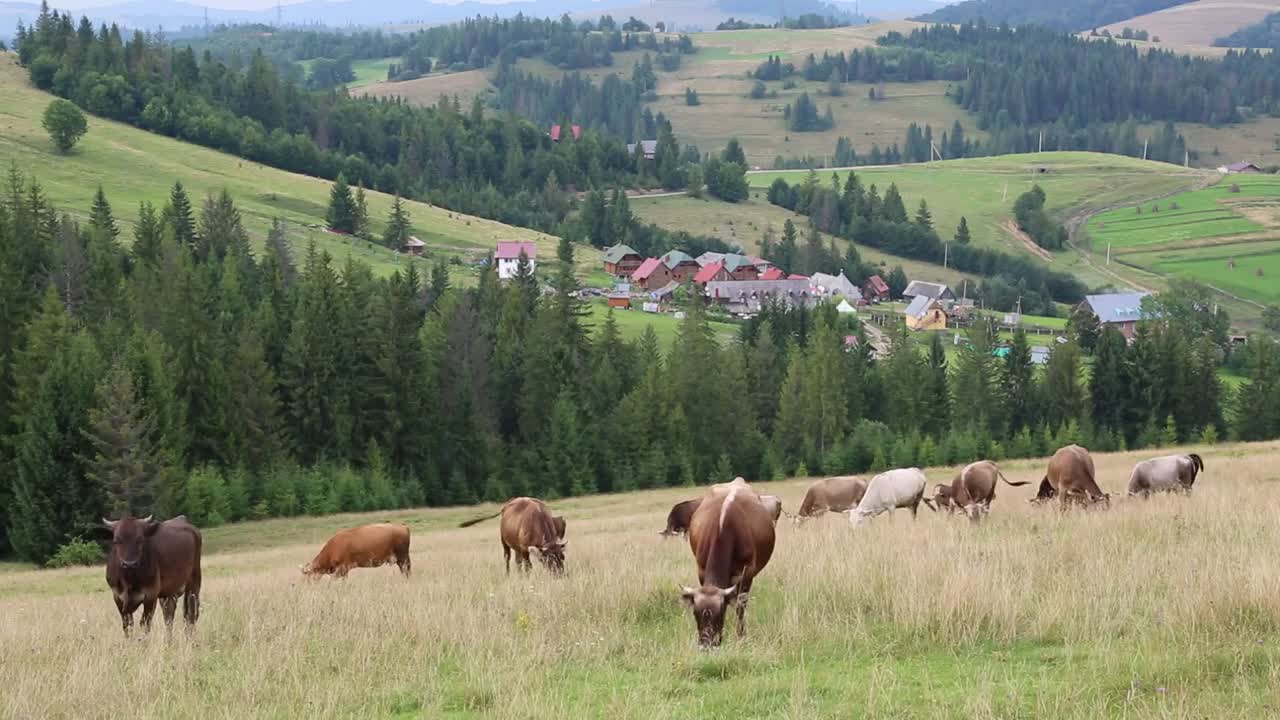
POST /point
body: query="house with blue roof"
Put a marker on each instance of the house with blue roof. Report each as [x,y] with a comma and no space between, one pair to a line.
[1121,310]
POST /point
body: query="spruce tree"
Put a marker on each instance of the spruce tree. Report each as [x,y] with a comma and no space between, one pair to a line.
[977,404]
[938,396]
[148,235]
[1064,396]
[100,216]
[962,232]
[788,254]
[398,229]
[361,214]
[341,214]
[924,218]
[1109,382]
[125,465]
[1018,385]
[181,217]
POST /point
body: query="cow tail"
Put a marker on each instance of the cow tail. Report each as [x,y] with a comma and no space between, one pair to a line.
[1198,461]
[473,521]
[1014,484]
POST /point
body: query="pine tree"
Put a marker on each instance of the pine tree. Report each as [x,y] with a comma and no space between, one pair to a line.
[977,404]
[399,229]
[1109,383]
[125,466]
[148,235]
[788,254]
[924,218]
[181,217]
[341,214]
[894,210]
[361,214]
[281,252]
[100,216]
[938,396]
[1018,385]
[1064,396]
[962,232]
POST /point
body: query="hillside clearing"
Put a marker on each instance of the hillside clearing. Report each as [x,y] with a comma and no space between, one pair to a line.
[1146,611]
[1199,23]
[133,166]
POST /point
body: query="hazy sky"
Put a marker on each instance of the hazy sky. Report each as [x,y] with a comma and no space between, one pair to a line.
[224,4]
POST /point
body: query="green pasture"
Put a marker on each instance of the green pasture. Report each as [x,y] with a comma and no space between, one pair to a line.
[1249,270]
[1220,210]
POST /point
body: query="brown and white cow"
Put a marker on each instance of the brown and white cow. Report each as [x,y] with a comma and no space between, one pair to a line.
[1071,478]
[528,527]
[972,490]
[833,494]
[1171,473]
[153,562]
[731,536]
[362,547]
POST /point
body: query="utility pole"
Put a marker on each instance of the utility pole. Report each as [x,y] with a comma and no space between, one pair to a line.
[1144,148]
[1041,149]
[946,250]
[1108,254]
[1186,158]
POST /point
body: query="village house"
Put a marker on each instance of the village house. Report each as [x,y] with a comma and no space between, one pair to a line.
[682,266]
[875,289]
[651,274]
[556,132]
[1246,168]
[926,313]
[744,297]
[507,257]
[649,147]
[414,246]
[1121,310]
[932,290]
[621,261]
[714,272]
[836,286]
[773,273]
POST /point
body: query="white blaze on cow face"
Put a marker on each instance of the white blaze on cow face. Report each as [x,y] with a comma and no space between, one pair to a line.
[709,605]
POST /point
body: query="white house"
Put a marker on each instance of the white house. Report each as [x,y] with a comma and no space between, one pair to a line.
[507,257]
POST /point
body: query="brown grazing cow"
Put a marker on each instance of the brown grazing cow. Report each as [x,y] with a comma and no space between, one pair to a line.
[1071,478]
[833,494]
[731,536]
[365,547]
[527,526]
[678,518]
[972,490]
[154,561]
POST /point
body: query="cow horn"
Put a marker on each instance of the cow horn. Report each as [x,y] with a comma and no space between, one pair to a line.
[110,524]
[146,519]
[729,591]
[562,544]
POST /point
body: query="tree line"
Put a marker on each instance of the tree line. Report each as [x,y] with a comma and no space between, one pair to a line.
[1263,34]
[860,214]
[1064,15]
[185,373]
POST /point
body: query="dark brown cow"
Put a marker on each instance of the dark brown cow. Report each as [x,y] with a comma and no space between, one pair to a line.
[365,547]
[834,494]
[154,561]
[731,536]
[972,489]
[679,517]
[527,526]
[1071,478]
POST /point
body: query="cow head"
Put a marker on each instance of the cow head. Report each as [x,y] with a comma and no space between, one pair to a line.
[942,497]
[129,539]
[709,604]
[551,554]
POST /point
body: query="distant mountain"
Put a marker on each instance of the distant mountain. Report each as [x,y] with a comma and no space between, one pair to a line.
[1068,15]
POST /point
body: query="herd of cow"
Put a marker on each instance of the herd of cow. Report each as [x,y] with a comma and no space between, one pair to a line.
[730,530]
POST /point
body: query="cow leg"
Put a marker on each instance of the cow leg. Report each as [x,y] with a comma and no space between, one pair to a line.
[506,555]
[191,607]
[148,610]
[126,617]
[523,562]
[741,603]
[405,564]
[169,606]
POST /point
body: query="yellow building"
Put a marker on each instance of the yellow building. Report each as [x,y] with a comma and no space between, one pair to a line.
[926,313]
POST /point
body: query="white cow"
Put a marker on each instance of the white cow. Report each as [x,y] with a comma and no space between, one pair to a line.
[1165,474]
[903,488]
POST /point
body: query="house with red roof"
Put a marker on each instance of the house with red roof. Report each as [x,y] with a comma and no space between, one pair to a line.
[773,273]
[652,274]
[875,290]
[556,132]
[710,273]
[507,257]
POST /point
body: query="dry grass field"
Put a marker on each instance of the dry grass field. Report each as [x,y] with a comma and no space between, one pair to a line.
[1161,609]
[1198,23]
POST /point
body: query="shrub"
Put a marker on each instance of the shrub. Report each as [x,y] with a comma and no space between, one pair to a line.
[206,502]
[76,552]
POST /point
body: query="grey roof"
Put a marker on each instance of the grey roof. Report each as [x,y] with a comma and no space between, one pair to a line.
[754,293]
[616,253]
[836,285]
[1117,307]
[1039,354]
[709,257]
[664,291]
[650,147]
[674,257]
[937,291]
[919,306]
[1238,166]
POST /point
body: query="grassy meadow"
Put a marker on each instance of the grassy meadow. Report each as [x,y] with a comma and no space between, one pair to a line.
[133,166]
[1211,212]
[1248,269]
[1167,608]
[632,324]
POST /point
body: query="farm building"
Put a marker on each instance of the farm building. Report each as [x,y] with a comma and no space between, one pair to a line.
[414,246]
[682,267]
[507,257]
[875,290]
[621,261]
[748,296]
[1122,310]
[931,290]
[740,267]
[1247,168]
[557,131]
[773,273]
[620,300]
[651,274]
[649,147]
[926,313]
[836,286]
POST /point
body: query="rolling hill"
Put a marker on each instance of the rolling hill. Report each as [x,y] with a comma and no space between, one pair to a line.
[134,166]
[1198,23]
[1068,15]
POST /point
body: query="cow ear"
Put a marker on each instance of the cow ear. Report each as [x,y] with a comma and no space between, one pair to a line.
[151,527]
[687,595]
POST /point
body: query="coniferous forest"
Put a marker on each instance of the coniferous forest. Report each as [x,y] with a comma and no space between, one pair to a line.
[180,371]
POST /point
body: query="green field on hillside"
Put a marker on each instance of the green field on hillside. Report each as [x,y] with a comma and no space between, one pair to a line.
[1233,206]
[1250,270]
[373,70]
[632,324]
[133,166]
[983,190]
